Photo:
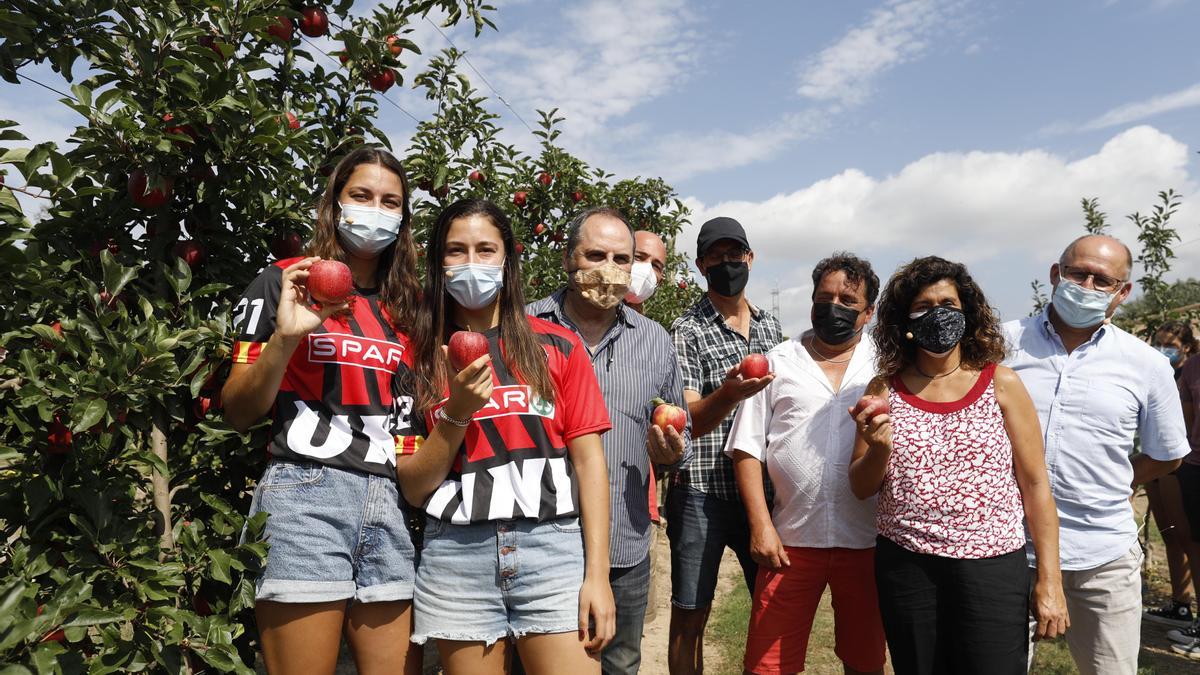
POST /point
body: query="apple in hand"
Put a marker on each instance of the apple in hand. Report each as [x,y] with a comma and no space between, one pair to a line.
[754,366]
[330,282]
[874,405]
[667,415]
[465,346]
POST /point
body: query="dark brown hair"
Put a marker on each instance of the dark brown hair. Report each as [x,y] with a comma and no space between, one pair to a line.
[524,355]
[982,343]
[399,288]
[1183,331]
[857,271]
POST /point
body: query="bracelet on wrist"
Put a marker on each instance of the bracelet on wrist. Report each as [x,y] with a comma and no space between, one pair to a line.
[441,414]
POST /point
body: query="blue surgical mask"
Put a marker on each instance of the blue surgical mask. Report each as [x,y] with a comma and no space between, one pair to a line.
[474,285]
[1080,307]
[1172,353]
[366,230]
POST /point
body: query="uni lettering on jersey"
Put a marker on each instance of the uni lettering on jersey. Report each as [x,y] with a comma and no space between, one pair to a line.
[354,350]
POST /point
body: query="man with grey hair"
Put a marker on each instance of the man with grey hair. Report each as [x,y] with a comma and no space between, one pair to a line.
[1096,387]
[635,362]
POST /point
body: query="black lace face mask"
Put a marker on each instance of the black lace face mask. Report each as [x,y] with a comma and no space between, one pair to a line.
[938,330]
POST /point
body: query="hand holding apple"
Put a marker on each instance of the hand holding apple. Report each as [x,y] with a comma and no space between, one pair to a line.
[295,317]
[664,440]
[872,416]
[471,385]
[747,378]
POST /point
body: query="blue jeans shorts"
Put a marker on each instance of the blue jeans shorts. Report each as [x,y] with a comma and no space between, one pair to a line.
[699,527]
[488,581]
[335,534]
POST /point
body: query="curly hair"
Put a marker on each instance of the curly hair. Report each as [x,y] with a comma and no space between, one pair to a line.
[1182,330]
[982,343]
[857,271]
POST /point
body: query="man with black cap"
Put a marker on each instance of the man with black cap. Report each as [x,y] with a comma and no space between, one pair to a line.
[703,511]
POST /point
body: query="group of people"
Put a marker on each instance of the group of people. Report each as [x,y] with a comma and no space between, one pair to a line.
[961,486]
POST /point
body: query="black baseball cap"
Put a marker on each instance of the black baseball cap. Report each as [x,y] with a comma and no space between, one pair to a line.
[717,229]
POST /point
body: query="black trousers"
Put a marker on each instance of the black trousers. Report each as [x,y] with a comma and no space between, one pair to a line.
[944,615]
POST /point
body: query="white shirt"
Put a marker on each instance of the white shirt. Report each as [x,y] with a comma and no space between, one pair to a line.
[799,426]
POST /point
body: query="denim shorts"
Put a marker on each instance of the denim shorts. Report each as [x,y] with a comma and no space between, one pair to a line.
[487,581]
[699,527]
[335,534]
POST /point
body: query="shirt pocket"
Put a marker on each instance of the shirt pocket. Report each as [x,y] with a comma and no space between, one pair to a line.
[1109,408]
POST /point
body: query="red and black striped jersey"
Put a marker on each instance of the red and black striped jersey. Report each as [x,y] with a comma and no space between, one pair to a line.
[335,405]
[513,462]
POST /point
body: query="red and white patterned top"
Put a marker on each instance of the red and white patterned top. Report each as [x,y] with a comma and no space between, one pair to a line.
[949,489]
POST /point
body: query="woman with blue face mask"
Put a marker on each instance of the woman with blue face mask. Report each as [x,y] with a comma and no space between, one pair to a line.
[1175,340]
[504,457]
[341,560]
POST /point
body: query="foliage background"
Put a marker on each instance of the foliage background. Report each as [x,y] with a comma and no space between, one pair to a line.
[122,492]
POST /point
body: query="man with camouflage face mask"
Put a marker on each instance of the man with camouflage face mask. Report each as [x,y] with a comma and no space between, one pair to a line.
[635,363]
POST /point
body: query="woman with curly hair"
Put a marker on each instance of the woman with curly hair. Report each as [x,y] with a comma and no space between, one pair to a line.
[957,460]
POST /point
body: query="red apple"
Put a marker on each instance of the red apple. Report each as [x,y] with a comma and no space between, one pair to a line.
[57,326]
[383,80]
[520,248]
[519,198]
[59,437]
[394,46]
[558,236]
[343,57]
[754,366]
[577,196]
[667,415]
[201,406]
[466,346]
[441,191]
[191,251]
[210,41]
[874,405]
[292,122]
[200,604]
[287,245]
[136,186]
[539,228]
[545,178]
[330,282]
[476,177]
[314,22]
[682,284]
[56,635]
[281,29]
[98,246]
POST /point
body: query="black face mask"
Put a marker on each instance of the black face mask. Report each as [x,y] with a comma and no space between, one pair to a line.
[834,324]
[938,330]
[728,278]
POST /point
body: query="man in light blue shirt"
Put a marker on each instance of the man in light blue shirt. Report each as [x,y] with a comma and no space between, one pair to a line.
[1096,387]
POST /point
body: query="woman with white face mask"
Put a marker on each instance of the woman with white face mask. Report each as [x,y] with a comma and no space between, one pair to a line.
[341,560]
[957,461]
[505,458]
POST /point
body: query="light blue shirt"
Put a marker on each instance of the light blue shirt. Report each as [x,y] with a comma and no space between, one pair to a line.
[1092,403]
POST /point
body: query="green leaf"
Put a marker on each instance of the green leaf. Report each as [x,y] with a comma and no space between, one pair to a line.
[115,274]
[92,616]
[93,411]
[219,569]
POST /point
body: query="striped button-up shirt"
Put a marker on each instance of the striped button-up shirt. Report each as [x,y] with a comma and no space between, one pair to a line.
[708,348]
[634,363]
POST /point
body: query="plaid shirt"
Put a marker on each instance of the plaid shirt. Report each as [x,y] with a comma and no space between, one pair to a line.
[707,349]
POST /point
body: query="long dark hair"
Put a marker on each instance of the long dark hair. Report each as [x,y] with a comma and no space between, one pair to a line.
[524,355]
[982,343]
[399,287]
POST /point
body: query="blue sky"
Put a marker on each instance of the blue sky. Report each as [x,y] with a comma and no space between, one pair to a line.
[962,128]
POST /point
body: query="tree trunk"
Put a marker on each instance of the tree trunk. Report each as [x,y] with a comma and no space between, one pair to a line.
[161,490]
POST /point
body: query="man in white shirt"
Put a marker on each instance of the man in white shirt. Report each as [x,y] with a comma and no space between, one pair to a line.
[818,534]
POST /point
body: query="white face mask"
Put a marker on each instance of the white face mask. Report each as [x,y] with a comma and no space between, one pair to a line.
[474,285]
[366,230]
[642,283]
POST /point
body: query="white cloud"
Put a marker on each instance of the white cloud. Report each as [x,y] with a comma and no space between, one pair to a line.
[900,31]
[1007,214]
[1140,110]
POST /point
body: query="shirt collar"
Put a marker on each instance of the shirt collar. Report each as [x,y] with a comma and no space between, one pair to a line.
[709,310]
[1049,332]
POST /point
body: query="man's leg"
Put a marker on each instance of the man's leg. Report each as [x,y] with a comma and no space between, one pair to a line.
[857,626]
[697,538]
[781,614]
[630,586]
[1105,605]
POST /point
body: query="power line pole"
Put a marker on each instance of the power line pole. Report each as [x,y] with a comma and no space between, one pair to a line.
[775,303]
